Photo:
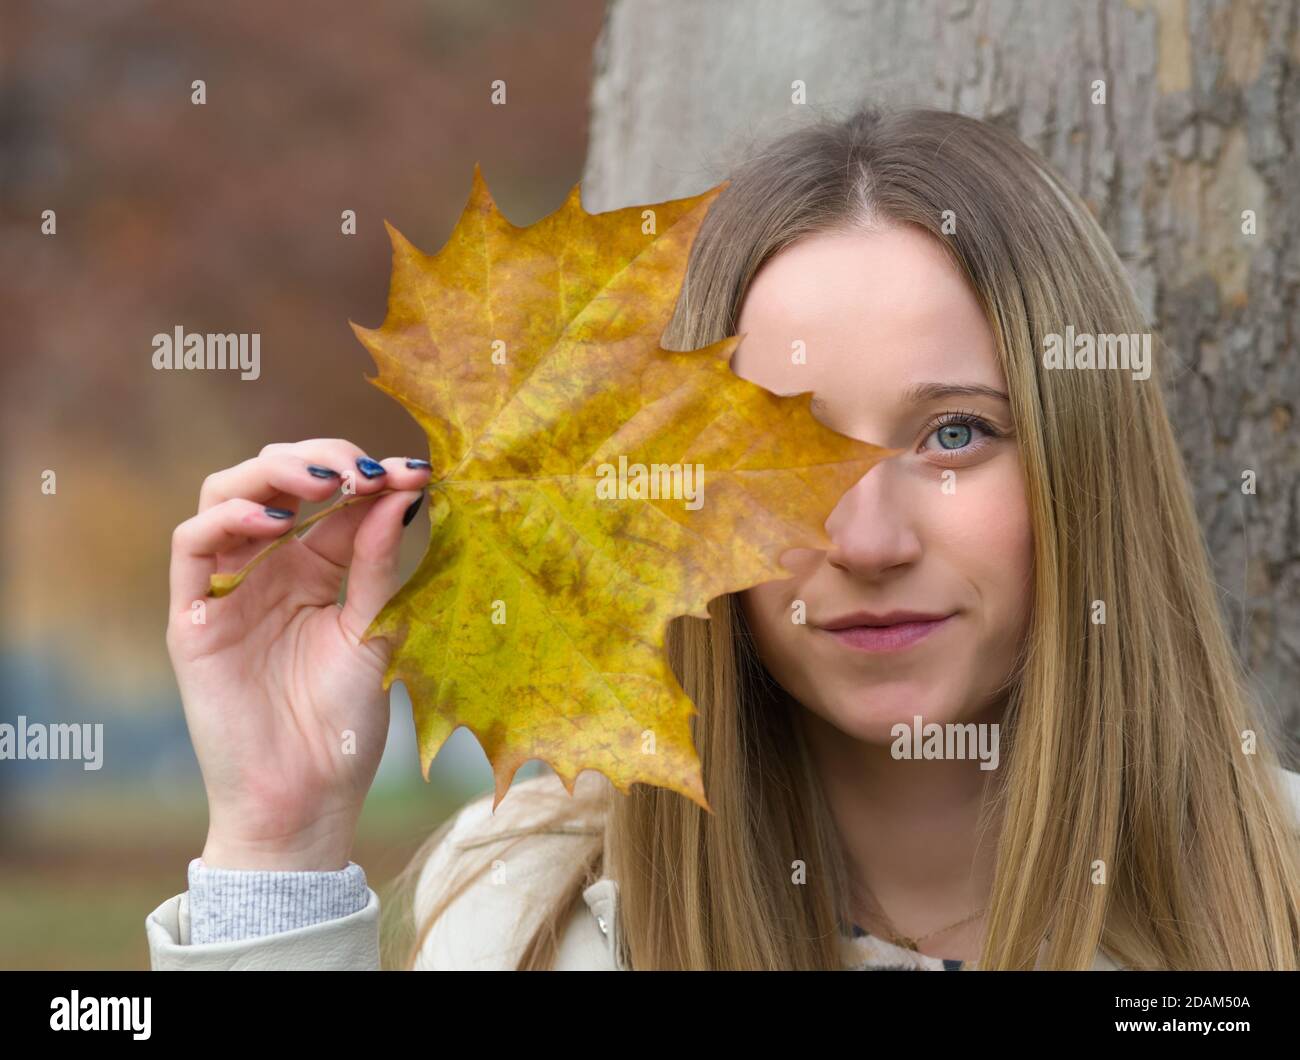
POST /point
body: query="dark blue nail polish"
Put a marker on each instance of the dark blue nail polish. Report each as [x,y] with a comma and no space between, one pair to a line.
[322,472]
[279,513]
[419,465]
[370,468]
[410,511]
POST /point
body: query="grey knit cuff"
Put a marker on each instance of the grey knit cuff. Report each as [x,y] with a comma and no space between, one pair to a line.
[230,904]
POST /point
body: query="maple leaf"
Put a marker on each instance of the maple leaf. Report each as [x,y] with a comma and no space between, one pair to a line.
[531,358]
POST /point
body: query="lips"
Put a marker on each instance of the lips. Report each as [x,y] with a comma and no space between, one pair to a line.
[889,618]
[893,631]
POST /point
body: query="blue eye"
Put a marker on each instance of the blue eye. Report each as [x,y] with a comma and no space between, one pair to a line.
[954,435]
[959,434]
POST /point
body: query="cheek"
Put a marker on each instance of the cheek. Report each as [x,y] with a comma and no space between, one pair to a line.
[984,533]
[764,606]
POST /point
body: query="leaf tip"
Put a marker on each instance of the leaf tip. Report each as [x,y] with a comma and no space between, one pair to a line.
[695,793]
[573,201]
[705,198]
[502,773]
[690,786]
[478,189]
[403,248]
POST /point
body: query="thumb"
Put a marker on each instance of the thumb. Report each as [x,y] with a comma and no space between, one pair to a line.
[373,576]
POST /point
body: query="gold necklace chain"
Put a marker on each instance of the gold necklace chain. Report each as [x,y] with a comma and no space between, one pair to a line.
[909,942]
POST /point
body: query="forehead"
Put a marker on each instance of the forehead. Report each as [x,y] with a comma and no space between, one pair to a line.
[873,310]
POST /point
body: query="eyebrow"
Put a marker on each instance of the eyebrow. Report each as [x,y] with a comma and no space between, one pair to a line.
[929,391]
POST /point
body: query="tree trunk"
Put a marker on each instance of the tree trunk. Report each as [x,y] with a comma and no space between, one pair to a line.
[1201,121]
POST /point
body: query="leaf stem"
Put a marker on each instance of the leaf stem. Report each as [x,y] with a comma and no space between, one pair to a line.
[225,584]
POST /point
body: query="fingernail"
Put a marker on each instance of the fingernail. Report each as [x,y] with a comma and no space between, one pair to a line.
[412,509]
[419,465]
[278,513]
[370,468]
[322,472]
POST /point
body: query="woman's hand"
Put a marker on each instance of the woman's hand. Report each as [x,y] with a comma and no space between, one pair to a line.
[283,699]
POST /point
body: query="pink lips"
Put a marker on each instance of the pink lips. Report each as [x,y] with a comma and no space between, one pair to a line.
[894,637]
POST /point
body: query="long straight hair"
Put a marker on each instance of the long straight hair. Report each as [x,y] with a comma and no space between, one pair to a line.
[1133,818]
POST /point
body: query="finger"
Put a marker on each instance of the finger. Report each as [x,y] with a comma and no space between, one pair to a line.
[373,576]
[199,541]
[307,470]
[358,473]
[333,537]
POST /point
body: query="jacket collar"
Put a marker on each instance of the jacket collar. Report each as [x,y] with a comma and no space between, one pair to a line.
[602,900]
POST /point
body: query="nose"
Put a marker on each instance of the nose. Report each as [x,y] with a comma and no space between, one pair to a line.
[873,529]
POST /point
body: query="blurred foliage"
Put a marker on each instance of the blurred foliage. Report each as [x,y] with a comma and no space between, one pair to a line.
[224,217]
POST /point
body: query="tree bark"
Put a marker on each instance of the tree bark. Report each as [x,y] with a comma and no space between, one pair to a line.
[1201,122]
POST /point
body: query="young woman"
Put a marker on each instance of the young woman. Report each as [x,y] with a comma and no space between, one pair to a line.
[1029,567]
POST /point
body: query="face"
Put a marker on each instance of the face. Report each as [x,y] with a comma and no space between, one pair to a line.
[934,545]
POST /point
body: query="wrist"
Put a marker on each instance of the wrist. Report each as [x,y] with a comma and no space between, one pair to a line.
[305,854]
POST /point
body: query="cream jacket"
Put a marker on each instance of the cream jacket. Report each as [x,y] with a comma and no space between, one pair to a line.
[483,929]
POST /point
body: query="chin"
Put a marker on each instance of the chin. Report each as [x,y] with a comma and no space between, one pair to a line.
[870,715]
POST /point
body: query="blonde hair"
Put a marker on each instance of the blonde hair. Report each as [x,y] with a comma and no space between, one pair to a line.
[1122,740]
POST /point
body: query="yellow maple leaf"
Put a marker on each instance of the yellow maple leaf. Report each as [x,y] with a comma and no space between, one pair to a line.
[531,358]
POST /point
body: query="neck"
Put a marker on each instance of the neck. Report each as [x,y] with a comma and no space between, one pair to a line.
[911,836]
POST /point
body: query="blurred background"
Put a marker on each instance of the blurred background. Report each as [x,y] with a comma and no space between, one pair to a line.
[221,217]
[1174,120]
